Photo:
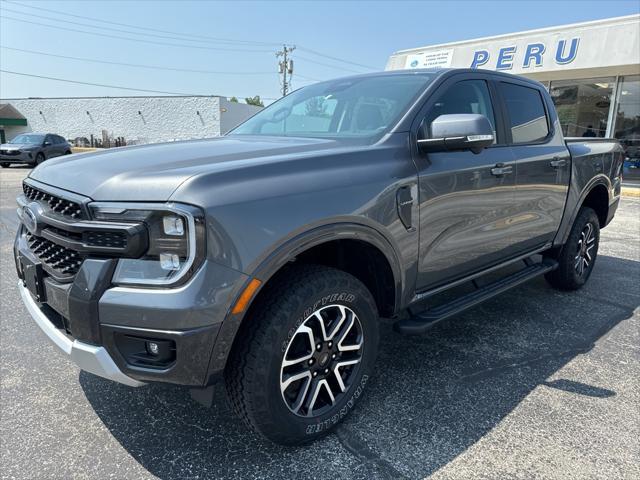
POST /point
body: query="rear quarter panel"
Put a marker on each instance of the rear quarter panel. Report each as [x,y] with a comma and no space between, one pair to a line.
[593,162]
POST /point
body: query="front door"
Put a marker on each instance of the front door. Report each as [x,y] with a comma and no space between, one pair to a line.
[465,204]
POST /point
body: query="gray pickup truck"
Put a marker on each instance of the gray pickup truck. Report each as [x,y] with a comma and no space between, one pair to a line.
[265,260]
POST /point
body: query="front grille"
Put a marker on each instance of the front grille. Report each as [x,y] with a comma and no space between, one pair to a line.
[106,239]
[63,261]
[10,152]
[56,204]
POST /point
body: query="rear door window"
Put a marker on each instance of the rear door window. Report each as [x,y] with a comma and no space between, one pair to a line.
[527,120]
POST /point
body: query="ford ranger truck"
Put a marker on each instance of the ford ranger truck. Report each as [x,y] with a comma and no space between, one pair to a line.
[263,261]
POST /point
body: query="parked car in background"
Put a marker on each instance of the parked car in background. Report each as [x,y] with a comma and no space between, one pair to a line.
[33,149]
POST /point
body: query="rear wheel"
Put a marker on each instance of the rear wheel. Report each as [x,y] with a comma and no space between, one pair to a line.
[305,355]
[578,255]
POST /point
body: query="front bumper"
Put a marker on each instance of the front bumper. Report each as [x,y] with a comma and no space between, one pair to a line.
[94,322]
[22,157]
[91,358]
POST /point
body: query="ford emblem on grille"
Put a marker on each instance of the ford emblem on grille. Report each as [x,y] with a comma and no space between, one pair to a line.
[30,220]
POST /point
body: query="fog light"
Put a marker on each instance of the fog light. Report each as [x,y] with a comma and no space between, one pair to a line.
[153,348]
[173,225]
[169,261]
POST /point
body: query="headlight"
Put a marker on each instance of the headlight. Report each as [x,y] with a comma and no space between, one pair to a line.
[176,243]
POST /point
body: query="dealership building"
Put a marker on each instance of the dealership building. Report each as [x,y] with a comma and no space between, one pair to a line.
[591,69]
[111,121]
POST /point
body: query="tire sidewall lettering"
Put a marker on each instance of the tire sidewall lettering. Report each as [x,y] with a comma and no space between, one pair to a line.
[342,297]
[336,417]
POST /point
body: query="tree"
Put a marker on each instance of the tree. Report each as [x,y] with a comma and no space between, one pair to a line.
[316,107]
[254,101]
[233,99]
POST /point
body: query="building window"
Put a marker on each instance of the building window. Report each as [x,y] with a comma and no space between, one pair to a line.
[583,105]
[627,123]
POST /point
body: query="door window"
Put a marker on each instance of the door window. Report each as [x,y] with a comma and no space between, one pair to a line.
[467,96]
[527,115]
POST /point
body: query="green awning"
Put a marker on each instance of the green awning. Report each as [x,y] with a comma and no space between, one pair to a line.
[9,116]
[6,122]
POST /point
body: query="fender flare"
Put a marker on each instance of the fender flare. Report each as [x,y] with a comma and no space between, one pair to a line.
[600,179]
[270,264]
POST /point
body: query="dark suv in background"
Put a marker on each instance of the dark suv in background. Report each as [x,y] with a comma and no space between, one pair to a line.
[33,148]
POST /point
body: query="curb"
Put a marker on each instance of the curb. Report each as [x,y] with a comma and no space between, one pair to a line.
[630,192]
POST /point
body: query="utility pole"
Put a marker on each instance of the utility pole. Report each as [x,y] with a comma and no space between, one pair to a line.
[285,66]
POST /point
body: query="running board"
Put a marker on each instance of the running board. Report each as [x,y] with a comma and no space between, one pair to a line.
[423,321]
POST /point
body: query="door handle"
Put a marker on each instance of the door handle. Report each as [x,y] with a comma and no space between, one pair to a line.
[501,169]
[558,162]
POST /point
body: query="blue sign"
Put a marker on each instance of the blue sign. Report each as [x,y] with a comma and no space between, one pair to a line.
[565,53]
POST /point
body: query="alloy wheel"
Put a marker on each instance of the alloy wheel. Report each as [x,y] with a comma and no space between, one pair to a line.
[584,256]
[321,360]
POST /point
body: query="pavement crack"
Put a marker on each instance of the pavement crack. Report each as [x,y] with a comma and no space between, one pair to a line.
[359,449]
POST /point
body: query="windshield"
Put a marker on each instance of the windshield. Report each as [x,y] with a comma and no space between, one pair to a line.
[351,107]
[28,139]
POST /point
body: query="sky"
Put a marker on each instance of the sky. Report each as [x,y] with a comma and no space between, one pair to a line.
[228,48]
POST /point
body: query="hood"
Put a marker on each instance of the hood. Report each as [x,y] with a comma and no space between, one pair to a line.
[154,172]
[17,146]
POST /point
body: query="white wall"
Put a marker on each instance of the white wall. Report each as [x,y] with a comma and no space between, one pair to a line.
[160,119]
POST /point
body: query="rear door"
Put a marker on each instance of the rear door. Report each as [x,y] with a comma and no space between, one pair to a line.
[542,163]
[49,146]
[465,208]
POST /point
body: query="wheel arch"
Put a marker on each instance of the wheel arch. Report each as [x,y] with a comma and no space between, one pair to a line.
[306,247]
[597,198]
[320,245]
[596,193]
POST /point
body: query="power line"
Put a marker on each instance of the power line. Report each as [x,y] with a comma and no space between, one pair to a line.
[304,77]
[4,9]
[113,86]
[314,52]
[200,47]
[206,37]
[155,67]
[310,60]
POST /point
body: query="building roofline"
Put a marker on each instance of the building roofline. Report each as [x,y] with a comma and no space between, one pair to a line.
[110,97]
[590,23]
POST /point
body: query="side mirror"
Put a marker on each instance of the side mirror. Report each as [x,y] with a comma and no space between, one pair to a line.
[46,144]
[460,131]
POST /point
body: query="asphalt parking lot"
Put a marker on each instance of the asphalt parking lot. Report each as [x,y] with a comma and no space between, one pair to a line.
[532,384]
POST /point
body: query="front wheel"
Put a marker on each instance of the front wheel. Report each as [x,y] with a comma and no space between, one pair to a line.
[40,158]
[4,165]
[578,255]
[305,355]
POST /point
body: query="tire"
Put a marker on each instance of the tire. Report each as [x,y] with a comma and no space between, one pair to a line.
[578,255]
[68,152]
[40,158]
[4,165]
[258,381]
